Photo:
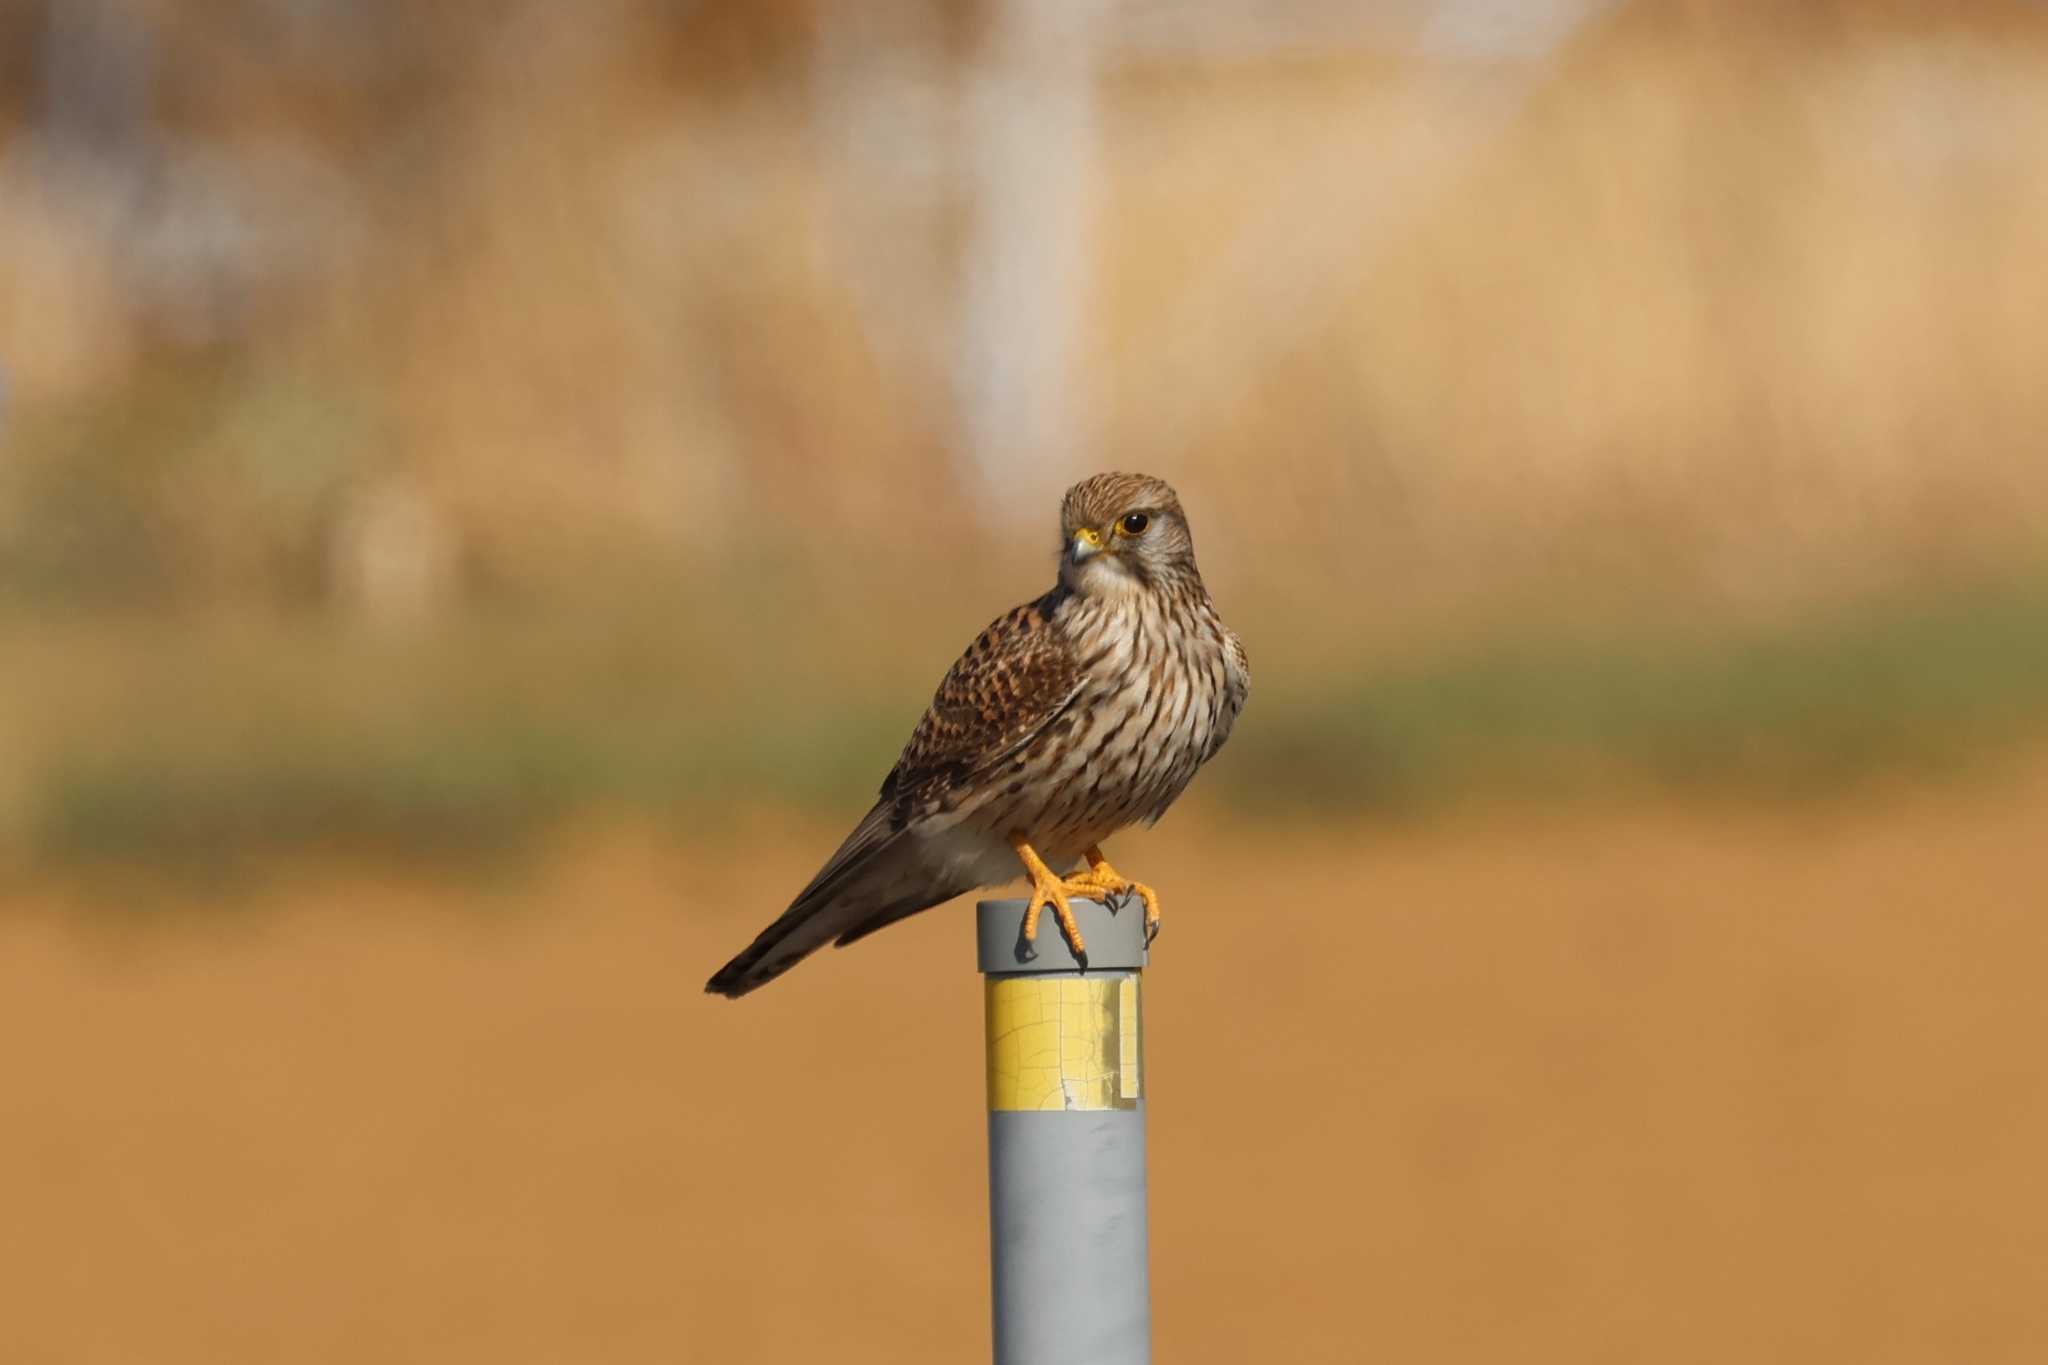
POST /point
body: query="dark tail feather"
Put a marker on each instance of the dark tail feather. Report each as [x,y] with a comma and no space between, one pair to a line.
[762,963]
[847,891]
[889,914]
[752,968]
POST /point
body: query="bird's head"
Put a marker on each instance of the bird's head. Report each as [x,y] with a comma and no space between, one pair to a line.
[1122,533]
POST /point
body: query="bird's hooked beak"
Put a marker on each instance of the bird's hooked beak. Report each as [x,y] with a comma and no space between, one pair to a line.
[1086,544]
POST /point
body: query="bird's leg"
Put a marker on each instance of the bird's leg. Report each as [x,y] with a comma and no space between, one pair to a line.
[1047,888]
[1102,879]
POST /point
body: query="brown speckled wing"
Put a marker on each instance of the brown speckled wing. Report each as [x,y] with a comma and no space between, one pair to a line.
[1012,682]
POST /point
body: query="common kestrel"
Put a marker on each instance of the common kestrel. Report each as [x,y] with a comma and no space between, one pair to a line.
[1065,721]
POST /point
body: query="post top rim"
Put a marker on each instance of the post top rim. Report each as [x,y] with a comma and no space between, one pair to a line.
[1115,939]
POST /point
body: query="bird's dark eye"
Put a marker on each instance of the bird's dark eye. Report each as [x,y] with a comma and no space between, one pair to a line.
[1134,524]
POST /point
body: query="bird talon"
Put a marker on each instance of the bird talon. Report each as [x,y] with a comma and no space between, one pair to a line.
[1071,927]
[1115,890]
[1049,889]
[1100,882]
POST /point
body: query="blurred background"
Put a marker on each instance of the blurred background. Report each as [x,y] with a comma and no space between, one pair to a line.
[485,490]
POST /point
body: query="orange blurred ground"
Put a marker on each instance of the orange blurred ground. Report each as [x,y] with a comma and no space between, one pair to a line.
[1667,1085]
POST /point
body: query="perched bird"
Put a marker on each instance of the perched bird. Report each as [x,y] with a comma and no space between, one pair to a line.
[1068,719]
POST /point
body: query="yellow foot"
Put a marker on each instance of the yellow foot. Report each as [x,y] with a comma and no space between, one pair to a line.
[1048,889]
[1103,880]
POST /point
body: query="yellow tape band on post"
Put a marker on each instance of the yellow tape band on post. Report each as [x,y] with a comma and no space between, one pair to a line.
[1063,1042]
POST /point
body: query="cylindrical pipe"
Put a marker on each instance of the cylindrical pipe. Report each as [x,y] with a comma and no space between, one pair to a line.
[1066,1138]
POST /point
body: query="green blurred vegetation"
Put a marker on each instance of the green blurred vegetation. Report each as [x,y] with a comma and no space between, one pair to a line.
[1923,685]
[184,740]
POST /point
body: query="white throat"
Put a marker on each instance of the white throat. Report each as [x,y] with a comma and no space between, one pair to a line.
[1100,577]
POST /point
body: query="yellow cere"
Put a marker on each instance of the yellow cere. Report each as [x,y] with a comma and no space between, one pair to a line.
[1063,1043]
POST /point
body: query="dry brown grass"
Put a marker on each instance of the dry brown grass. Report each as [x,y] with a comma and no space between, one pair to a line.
[1654,1084]
[1731,304]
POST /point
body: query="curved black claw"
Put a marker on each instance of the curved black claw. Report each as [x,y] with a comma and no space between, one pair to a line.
[1080,954]
[1027,951]
[1152,932]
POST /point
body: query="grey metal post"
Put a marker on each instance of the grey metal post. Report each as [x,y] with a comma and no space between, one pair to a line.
[1066,1139]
